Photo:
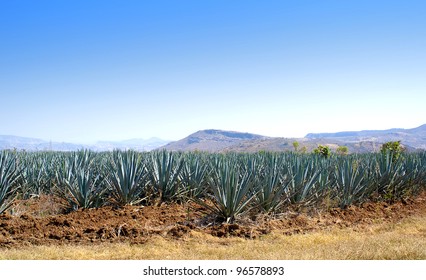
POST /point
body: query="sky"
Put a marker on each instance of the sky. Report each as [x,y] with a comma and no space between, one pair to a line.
[83,71]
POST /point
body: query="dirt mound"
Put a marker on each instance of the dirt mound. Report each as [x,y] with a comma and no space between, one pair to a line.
[38,222]
[105,224]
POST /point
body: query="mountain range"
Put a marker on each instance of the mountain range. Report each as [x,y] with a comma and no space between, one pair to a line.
[34,144]
[356,141]
[214,140]
[414,137]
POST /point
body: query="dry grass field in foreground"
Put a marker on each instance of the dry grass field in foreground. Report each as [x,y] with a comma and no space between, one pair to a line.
[405,239]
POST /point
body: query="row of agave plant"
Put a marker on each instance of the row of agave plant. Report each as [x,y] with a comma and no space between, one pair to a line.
[227,185]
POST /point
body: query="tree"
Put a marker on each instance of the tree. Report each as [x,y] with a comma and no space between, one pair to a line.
[393,147]
[342,150]
[323,151]
[295,145]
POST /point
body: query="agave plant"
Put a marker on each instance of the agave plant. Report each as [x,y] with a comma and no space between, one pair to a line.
[402,177]
[165,175]
[77,182]
[194,175]
[412,177]
[324,193]
[269,184]
[388,175]
[352,185]
[9,175]
[231,188]
[127,176]
[37,174]
[83,190]
[303,176]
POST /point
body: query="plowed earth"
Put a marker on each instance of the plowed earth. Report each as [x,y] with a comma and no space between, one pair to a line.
[39,222]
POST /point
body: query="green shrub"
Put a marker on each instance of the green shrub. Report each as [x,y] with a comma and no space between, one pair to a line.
[394,148]
[323,151]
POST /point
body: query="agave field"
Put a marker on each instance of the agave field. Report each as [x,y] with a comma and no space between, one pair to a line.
[228,186]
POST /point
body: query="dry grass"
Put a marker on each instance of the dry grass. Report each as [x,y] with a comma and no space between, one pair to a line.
[404,240]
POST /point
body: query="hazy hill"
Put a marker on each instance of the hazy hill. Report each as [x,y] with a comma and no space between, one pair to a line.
[133,144]
[212,140]
[414,137]
[356,141]
[34,144]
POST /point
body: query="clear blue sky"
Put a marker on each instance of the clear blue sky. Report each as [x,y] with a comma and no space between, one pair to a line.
[83,71]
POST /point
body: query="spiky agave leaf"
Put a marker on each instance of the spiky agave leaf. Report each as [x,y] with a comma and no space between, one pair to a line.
[78,183]
[388,174]
[127,177]
[9,175]
[165,169]
[269,183]
[351,182]
[36,179]
[231,191]
[194,174]
[303,175]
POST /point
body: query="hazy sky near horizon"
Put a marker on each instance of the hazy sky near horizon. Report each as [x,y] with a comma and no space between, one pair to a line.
[81,71]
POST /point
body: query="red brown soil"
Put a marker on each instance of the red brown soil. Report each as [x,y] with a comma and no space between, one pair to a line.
[38,222]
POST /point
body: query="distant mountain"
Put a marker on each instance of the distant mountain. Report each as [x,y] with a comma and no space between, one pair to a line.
[212,140]
[133,144]
[34,144]
[11,142]
[414,137]
[356,141]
